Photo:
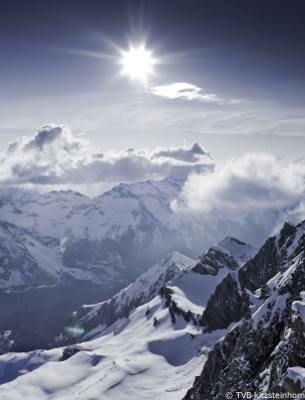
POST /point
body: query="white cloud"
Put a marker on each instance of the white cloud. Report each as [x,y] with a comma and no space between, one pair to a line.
[187,91]
[51,153]
[253,182]
[54,156]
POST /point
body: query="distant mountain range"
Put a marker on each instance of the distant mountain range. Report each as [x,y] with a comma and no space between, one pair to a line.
[61,249]
[63,236]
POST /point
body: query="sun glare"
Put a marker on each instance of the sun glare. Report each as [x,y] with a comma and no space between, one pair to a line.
[137,62]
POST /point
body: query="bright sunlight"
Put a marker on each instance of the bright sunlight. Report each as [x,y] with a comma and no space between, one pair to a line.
[138,62]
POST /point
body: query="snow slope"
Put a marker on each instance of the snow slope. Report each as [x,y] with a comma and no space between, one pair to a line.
[140,361]
[91,318]
[153,353]
[194,288]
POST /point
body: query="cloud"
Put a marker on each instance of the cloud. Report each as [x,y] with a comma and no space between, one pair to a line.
[52,134]
[187,91]
[132,165]
[253,182]
[299,160]
[52,152]
[191,155]
[54,156]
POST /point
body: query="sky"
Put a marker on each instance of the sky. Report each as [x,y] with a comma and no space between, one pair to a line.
[226,78]
[60,64]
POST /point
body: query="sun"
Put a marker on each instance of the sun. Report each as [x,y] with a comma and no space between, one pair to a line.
[137,62]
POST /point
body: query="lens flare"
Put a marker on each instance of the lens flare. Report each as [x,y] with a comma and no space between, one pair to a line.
[138,62]
[74,331]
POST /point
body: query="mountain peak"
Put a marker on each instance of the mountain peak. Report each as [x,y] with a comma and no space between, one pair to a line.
[229,252]
[67,192]
[176,257]
[240,251]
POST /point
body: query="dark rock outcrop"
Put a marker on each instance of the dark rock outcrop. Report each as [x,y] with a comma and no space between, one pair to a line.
[68,352]
[224,306]
[264,351]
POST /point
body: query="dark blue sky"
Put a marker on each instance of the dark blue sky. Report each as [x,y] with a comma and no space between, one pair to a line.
[249,51]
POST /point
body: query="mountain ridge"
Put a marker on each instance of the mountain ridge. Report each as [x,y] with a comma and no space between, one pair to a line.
[217,320]
[269,337]
[136,346]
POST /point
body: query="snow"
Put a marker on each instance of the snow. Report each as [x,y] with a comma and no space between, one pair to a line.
[143,208]
[277,303]
[145,287]
[144,356]
[15,279]
[299,307]
[110,215]
[12,365]
[136,358]
[297,374]
[192,291]
[139,361]
[254,300]
[241,252]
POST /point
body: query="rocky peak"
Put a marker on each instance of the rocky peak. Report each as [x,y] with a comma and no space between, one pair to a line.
[265,351]
[229,252]
[288,231]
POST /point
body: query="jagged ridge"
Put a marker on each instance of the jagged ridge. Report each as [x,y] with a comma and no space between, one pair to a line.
[265,351]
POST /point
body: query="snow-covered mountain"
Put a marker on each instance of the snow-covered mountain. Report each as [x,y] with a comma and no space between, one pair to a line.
[234,320]
[154,352]
[63,249]
[90,319]
[264,352]
[115,236]
[127,227]
[192,289]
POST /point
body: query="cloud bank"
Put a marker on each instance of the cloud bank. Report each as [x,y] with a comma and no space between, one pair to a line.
[254,182]
[54,156]
[257,182]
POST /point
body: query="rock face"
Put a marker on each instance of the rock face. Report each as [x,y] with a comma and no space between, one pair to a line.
[224,306]
[265,351]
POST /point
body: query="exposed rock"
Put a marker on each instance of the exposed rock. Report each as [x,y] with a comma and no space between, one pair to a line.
[265,351]
[224,306]
[68,352]
[263,266]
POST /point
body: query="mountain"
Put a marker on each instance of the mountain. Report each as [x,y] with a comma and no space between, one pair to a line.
[264,352]
[117,235]
[85,322]
[61,249]
[125,228]
[154,352]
